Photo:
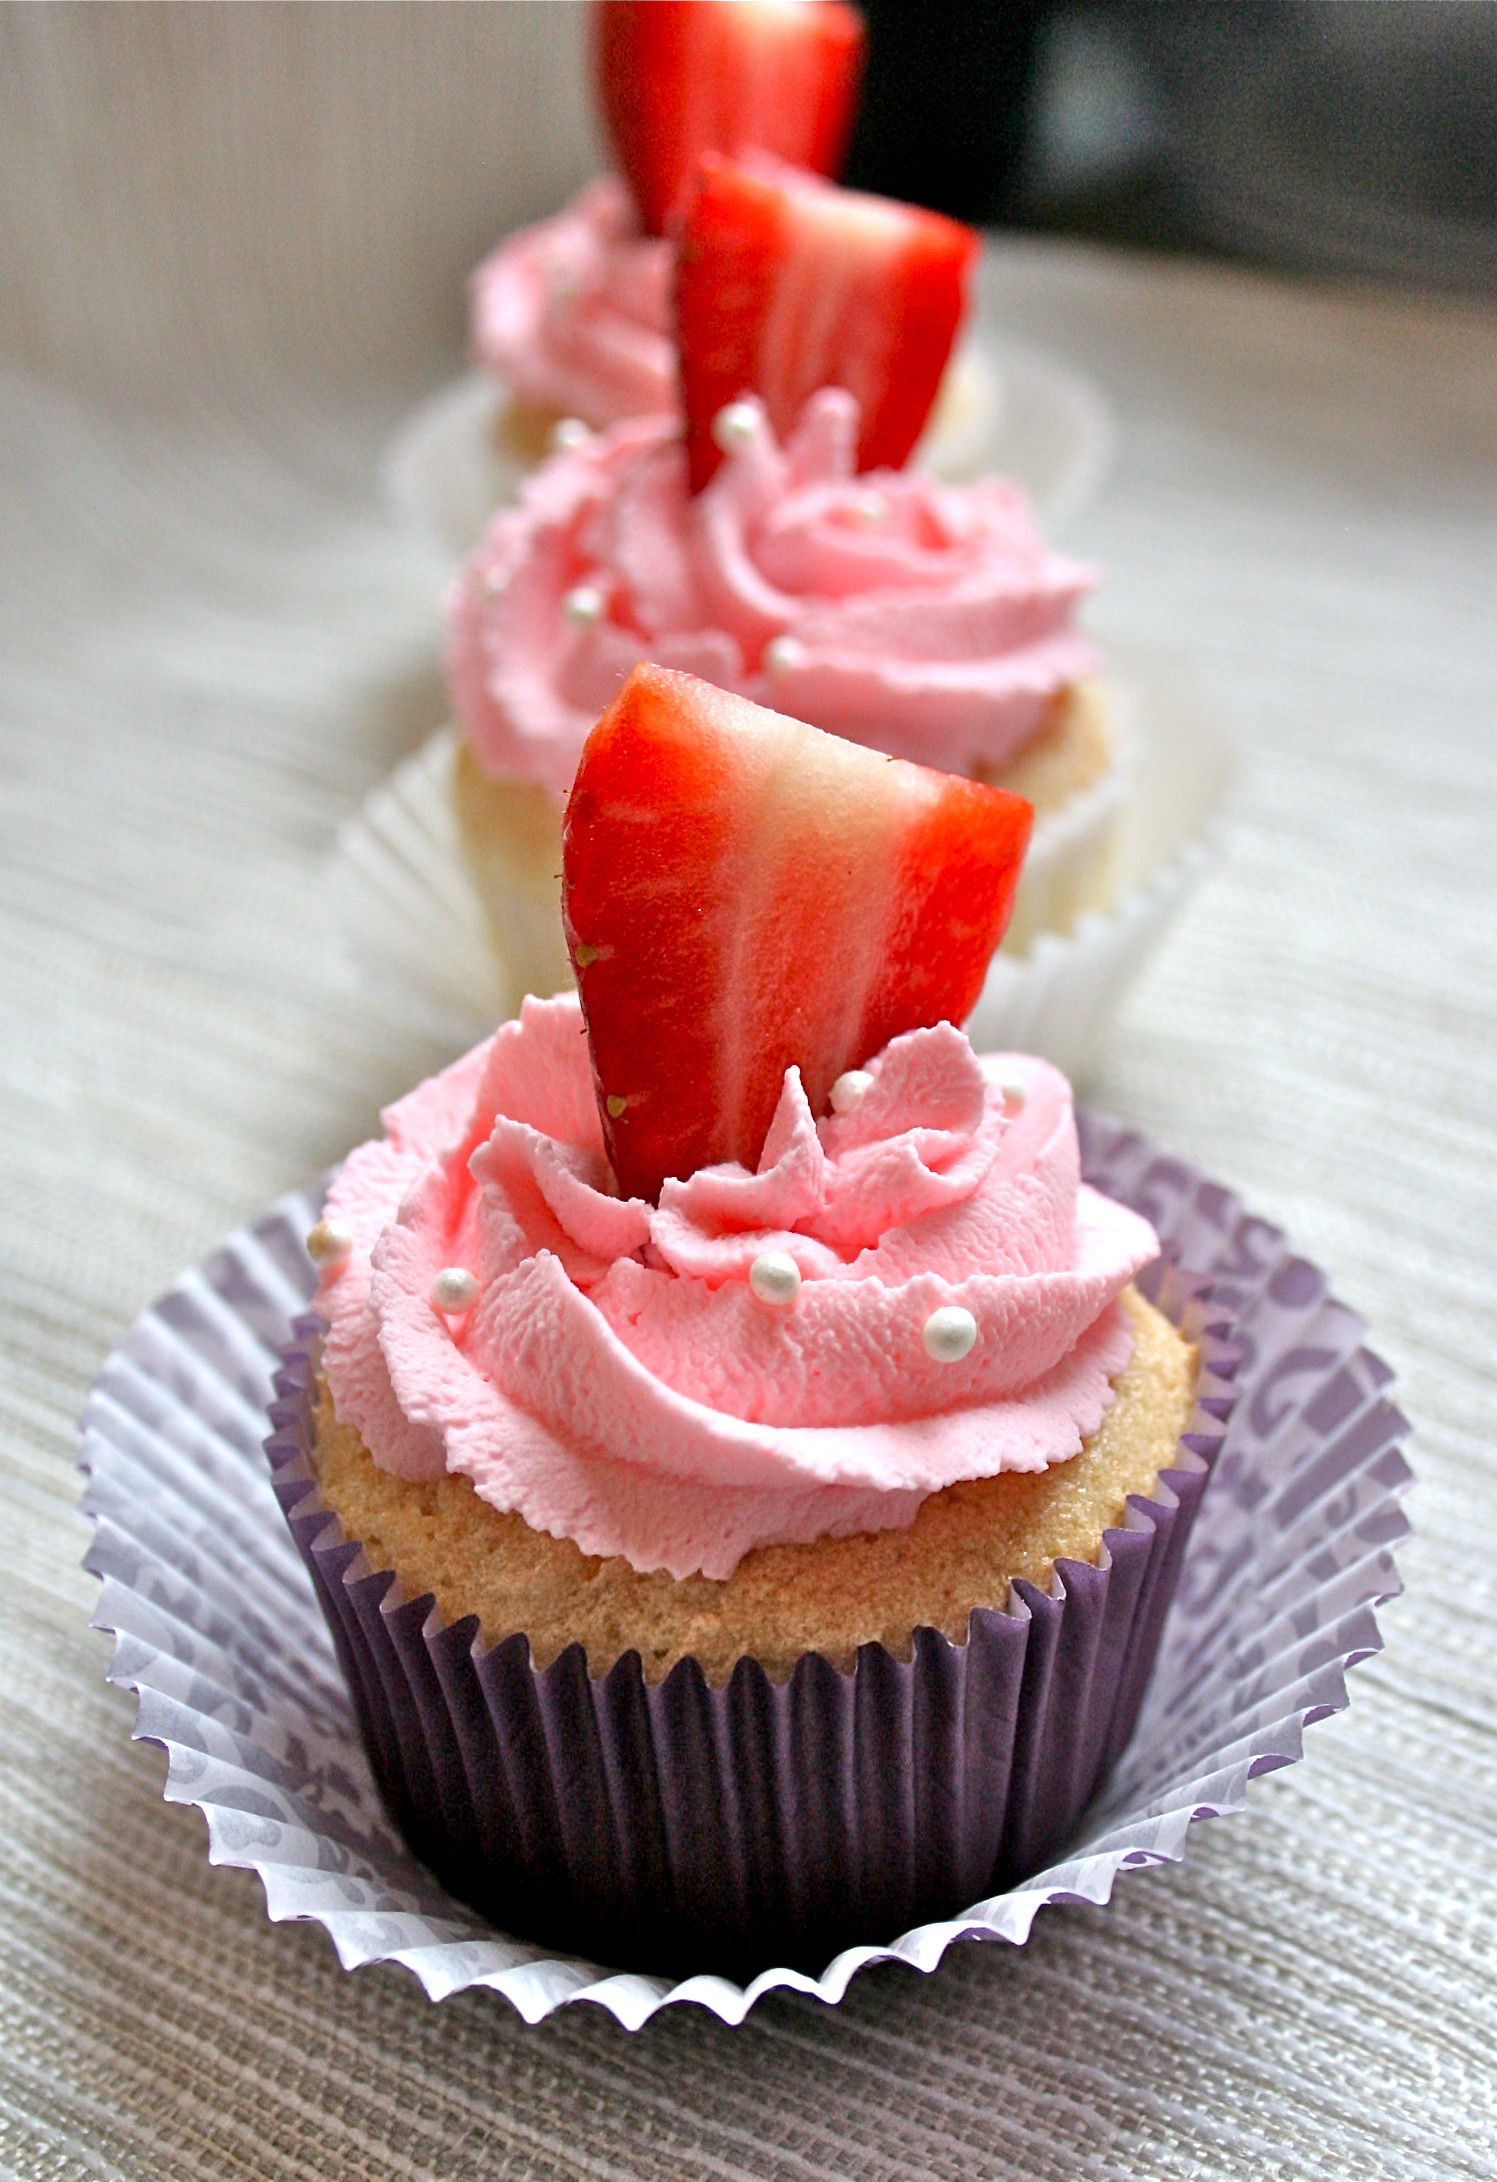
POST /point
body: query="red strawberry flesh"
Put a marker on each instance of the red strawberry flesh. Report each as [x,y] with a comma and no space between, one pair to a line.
[677,78]
[742,892]
[785,284]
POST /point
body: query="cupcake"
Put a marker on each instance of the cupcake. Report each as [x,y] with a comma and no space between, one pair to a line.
[571,316]
[929,621]
[745,1490]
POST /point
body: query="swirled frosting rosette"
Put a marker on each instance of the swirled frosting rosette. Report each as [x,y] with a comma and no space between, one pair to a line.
[615,1378]
[930,621]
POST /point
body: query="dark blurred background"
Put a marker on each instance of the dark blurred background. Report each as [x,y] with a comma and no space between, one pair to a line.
[1352,136]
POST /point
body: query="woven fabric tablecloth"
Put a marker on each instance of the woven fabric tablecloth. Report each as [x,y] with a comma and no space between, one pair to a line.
[231,250]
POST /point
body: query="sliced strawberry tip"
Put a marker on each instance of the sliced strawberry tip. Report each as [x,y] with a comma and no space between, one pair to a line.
[786,284]
[741,893]
[677,78]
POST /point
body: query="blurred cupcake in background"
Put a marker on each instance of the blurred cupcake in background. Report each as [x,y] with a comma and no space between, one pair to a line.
[571,317]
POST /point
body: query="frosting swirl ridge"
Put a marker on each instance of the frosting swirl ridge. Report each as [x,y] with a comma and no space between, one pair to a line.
[618,1381]
[930,621]
[573,312]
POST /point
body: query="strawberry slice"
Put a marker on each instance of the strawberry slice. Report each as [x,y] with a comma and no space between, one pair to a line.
[785,284]
[677,78]
[741,892]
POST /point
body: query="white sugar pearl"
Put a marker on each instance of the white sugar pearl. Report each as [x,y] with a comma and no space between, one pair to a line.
[1014,1095]
[568,432]
[583,605]
[454,1289]
[871,507]
[775,1278]
[735,425]
[949,1333]
[783,652]
[850,1090]
[329,1243]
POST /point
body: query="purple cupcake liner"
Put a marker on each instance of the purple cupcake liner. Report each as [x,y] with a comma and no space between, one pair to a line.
[683,1826]
[218,1630]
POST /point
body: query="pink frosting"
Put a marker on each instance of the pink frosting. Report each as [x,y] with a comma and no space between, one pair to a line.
[927,620]
[574,313]
[617,1380]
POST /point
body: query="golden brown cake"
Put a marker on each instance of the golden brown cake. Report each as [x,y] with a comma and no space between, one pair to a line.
[1066,758]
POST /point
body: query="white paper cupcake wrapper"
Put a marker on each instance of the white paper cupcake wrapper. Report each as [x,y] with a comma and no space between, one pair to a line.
[412,923]
[219,1633]
[1012,409]
[1071,864]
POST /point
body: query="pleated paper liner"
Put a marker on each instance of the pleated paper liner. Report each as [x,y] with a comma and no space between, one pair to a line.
[219,1632]
[1010,408]
[416,930]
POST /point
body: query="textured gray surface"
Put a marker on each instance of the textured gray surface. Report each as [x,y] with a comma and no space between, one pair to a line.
[211,644]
